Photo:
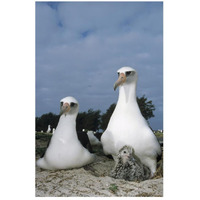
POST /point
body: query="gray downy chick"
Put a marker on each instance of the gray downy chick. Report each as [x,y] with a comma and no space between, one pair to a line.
[129,167]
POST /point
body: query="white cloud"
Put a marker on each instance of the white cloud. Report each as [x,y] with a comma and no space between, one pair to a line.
[80,46]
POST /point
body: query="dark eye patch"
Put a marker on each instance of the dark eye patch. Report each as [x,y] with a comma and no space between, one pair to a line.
[72,104]
[118,74]
[124,151]
[61,103]
[128,73]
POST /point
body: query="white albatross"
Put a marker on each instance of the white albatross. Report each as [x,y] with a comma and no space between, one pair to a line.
[127,126]
[93,139]
[49,129]
[65,150]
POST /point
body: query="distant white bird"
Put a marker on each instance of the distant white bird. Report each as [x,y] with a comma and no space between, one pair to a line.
[127,126]
[129,167]
[93,139]
[65,150]
[53,130]
[49,129]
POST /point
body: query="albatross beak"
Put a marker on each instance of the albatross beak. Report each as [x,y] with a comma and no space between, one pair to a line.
[121,80]
[64,108]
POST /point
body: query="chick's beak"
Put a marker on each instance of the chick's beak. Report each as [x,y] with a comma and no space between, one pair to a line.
[64,108]
[120,81]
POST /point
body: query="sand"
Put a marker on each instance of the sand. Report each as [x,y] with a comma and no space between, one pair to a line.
[93,181]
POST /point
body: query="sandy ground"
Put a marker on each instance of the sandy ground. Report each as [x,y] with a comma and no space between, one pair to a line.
[92,181]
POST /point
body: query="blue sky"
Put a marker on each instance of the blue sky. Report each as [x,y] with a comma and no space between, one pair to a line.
[81,45]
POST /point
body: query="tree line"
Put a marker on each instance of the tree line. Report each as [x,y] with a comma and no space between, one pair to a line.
[93,119]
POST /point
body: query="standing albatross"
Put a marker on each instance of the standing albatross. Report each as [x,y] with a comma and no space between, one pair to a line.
[127,126]
[65,150]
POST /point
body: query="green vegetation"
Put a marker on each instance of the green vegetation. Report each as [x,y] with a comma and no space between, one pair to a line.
[45,120]
[146,107]
[42,140]
[40,151]
[89,120]
[106,116]
[43,136]
[158,134]
[113,188]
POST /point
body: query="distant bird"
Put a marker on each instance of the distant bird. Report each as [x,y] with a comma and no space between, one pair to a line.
[65,150]
[93,139]
[53,130]
[49,129]
[129,167]
[127,126]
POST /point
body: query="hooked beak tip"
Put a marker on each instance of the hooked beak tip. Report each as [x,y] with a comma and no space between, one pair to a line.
[120,81]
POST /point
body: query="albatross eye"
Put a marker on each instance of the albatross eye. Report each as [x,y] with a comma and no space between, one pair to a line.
[72,104]
[118,74]
[128,73]
[61,103]
[124,152]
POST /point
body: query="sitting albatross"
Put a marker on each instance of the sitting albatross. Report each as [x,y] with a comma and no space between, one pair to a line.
[127,126]
[65,150]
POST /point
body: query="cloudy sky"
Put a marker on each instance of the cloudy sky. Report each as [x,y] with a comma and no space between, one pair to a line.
[81,45]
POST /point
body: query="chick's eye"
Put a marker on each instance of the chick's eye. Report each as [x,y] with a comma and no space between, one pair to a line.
[124,151]
[128,73]
[118,73]
[61,103]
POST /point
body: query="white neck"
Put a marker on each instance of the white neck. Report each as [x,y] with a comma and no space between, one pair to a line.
[127,93]
[66,118]
[66,122]
[127,101]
